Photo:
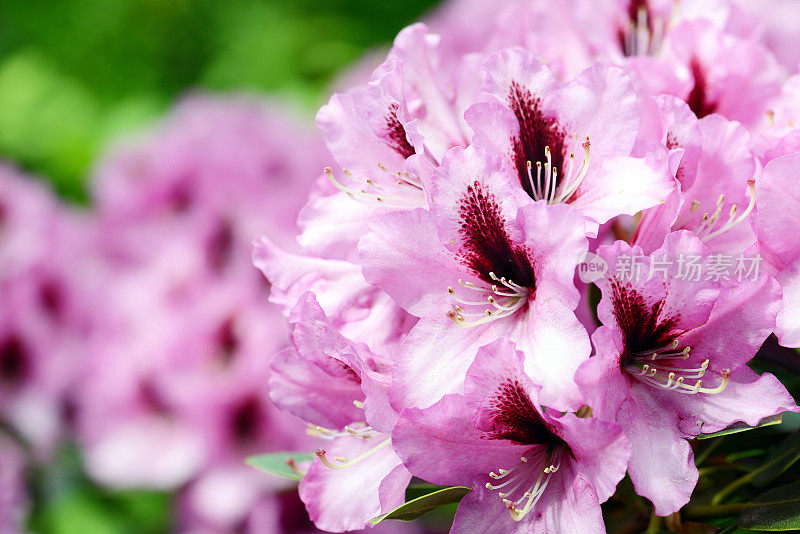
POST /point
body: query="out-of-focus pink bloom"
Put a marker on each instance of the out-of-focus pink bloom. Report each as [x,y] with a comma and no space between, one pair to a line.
[42,316]
[239,166]
[531,469]
[780,20]
[670,360]
[713,72]
[175,391]
[485,263]
[13,492]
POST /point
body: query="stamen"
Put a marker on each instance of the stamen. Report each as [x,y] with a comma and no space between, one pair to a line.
[405,198]
[359,429]
[498,302]
[733,220]
[344,462]
[571,185]
[659,372]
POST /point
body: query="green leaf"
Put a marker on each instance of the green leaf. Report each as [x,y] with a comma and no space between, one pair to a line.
[781,458]
[776,510]
[419,506]
[743,427]
[280,463]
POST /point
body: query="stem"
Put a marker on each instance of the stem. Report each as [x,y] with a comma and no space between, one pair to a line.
[730,488]
[703,456]
[707,511]
[715,468]
[655,522]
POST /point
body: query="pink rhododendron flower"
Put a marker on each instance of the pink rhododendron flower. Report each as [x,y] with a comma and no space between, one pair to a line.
[715,171]
[778,203]
[568,143]
[471,174]
[504,263]
[531,469]
[342,390]
[175,391]
[670,360]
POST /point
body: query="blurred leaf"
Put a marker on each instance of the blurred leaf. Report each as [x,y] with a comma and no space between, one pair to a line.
[77,512]
[776,510]
[280,463]
[778,460]
[742,427]
[417,507]
[47,120]
[146,511]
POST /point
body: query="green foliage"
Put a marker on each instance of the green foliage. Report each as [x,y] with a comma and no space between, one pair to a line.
[775,510]
[742,427]
[65,501]
[76,73]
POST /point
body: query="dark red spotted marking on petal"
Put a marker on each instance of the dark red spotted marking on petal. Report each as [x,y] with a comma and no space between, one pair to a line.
[536,131]
[397,133]
[698,98]
[643,326]
[672,142]
[347,372]
[514,417]
[14,361]
[486,245]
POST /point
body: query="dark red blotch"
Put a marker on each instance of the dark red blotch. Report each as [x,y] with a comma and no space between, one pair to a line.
[515,418]
[536,131]
[14,361]
[643,326]
[486,245]
[698,99]
[397,133]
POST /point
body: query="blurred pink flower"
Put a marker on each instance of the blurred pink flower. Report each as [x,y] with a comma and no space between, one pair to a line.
[174,393]
[43,317]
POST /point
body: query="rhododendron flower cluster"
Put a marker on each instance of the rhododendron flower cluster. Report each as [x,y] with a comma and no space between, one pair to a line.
[540,258]
[139,329]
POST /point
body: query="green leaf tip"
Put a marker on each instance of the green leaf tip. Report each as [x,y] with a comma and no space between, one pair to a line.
[743,427]
[280,464]
[417,507]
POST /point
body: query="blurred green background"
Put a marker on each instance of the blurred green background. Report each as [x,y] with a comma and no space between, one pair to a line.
[76,73]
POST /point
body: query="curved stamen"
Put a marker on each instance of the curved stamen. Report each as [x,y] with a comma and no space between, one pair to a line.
[532,473]
[551,190]
[572,185]
[661,374]
[708,233]
[344,462]
[406,197]
[360,429]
